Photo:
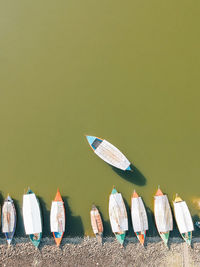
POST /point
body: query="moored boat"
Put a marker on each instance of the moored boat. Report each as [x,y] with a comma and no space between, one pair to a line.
[109,153]
[9,219]
[163,215]
[96,222]
[57,218]
[118,216]
[183,219]
[32,217]
[139,217]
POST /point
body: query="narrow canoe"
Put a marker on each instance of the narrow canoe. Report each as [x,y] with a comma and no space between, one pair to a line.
[57,218]
[96,222]
[109,153]
[183,219]
[9,219]
[163,215]
[118,216]
[32,217]
[139,217]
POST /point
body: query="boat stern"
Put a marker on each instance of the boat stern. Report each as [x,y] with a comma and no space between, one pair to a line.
[120,238]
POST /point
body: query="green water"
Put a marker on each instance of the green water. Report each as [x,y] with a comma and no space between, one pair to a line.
[124,71]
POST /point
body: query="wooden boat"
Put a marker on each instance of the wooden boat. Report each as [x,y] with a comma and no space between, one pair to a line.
[96,222]
[163,215]
[109,153]
[118,216]
[32,217]
[9,219]
[57,218]
[183,219]
[139,217]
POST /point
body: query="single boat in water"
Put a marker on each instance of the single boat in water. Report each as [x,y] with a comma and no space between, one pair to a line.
[139,217]
[32,217]
[96,222]
[109,153]
[118,216]
[183,219]
[163,215]
[57,218]
[9,219]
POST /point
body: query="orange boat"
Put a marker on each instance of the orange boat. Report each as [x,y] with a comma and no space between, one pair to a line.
[57,218]
[96,222]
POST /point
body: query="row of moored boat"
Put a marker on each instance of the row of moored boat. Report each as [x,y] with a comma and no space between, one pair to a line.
[32,218]
[162,213]
[117,213]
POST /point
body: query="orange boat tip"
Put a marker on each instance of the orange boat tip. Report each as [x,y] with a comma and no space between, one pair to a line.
[141,238]
[134,195]
[57,242]
[159,192]
[58,196]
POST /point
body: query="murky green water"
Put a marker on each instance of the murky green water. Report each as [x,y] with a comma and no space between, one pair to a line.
[127,72]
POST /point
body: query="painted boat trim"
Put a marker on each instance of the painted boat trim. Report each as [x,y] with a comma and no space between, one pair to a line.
[59,235]
[109,153]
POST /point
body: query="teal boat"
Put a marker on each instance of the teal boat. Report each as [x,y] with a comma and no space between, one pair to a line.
[32,217]
[118,216]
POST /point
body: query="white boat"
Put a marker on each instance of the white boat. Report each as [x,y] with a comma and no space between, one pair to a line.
[163,215]
[8,219]
[109,153]
[32,217]
[96,222]
[139,217]
[57,218]
[183,219]
[118,216]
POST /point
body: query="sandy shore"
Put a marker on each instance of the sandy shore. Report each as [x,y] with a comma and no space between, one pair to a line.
[88,252]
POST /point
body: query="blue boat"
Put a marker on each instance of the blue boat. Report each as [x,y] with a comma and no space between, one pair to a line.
[109,153]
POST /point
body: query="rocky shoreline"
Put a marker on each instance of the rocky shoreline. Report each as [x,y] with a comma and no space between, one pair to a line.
[88,252]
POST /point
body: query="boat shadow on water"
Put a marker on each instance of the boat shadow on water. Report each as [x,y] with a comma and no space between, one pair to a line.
[19,232]
[134,176]
[74,225]
[45,213]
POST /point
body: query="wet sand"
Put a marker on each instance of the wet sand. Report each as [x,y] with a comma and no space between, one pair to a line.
[88,252]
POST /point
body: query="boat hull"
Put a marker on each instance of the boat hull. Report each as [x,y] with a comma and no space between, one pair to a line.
[120,237]
[163,215]
[36,237]
[9,214]
[183,219]
[139,217]
[165,237]
[118,216]
[58,217]
[109,153]
[96,223]
[187,237]
[141,236]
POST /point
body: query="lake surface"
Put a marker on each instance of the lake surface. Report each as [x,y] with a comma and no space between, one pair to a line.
[124,71]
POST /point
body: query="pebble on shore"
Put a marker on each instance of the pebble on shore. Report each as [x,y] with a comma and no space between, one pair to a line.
[88,252]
